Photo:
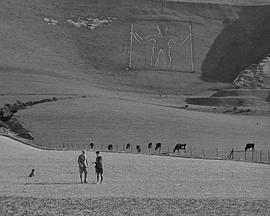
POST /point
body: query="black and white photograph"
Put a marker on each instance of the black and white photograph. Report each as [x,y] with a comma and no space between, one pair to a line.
[135,107]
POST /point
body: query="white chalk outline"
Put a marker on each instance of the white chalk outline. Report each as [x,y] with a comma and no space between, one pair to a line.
[170,38]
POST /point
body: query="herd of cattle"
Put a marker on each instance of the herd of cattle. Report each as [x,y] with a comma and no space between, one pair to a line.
[150,146]
[177,147]
[157,146]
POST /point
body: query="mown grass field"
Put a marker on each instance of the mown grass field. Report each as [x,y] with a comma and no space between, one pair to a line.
[133,185]
[127,175]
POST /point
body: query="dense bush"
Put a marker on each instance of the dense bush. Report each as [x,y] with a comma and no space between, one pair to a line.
[7,119]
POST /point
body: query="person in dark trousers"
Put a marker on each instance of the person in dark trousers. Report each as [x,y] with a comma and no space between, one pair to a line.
[82,161]
[98,167]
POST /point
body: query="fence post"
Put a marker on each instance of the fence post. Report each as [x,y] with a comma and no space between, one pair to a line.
[268,156]
[232,156]
[116,147]
[260,155]
[245,155]
[203,152]
[168,149]
[190,151]
[252,155]
[217,152]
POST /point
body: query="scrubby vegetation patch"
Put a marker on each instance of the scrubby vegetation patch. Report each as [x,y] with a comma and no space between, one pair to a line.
[8,121]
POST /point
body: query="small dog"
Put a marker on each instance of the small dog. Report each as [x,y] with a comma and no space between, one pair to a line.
[32,174]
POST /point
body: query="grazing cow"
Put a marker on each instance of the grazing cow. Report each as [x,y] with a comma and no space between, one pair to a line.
[128,146]
[91,145]
[180,147]
[158,146]
[138,148]
[149,146]
[110,147]
[249,146]
[32,174]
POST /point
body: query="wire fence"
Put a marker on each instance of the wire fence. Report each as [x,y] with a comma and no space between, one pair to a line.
[254,155]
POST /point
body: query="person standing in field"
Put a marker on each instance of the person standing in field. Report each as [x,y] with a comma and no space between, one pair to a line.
[82,161]
[99,167]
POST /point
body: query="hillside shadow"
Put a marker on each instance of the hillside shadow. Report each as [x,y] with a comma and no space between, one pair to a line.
[240,44]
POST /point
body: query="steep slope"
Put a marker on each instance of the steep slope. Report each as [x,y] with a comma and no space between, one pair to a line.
[239,45]
[255,76]
[37,57]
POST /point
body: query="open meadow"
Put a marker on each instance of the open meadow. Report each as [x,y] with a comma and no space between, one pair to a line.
[133,184]
[118,121]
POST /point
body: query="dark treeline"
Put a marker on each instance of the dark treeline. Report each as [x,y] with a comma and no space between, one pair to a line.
[8,121]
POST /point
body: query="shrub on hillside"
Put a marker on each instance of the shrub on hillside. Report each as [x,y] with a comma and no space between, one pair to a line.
[4,125]
[14,124]
[5,113]
[7,119]
[26,136]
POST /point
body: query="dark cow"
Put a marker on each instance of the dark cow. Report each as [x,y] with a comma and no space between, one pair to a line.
[91,145]
[138,148]
[32,174]
[150,146]
[158,146]
[128,146]
[249,146]
[180,147]
[110,147]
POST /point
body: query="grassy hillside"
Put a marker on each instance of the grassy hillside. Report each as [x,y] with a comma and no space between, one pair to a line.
[108,120]
[35,56]
[239,45]
[38,59]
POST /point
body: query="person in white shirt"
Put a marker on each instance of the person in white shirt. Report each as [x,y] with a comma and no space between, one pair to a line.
[82,161]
